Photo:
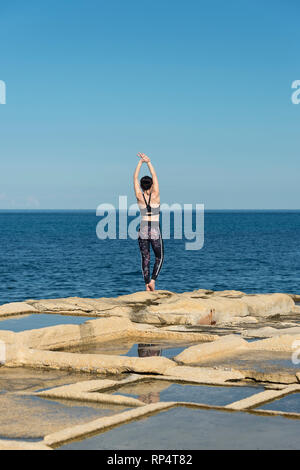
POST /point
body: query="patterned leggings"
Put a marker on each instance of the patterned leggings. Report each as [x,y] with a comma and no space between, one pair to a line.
[149,233]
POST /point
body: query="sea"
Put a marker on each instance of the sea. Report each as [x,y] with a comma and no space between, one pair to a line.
[56,254]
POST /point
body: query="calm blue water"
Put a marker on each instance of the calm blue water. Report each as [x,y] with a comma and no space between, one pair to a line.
[30,322]
[215,396]
[57,254]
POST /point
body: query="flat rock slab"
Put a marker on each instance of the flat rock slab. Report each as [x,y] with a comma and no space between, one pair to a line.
[205,375]
[104,330]
[22,445]
[16,308]
[282,343]
[259,365]
[164,307]
[8,337]
[190,309]
[60,336]
[269,332]
[295,297]
[280,377]
[265,305]
[91,363]
[202,352]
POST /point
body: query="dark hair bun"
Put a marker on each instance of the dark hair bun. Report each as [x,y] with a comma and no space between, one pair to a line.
[146,182]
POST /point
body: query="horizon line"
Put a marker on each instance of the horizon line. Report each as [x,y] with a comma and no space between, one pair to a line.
[94,210]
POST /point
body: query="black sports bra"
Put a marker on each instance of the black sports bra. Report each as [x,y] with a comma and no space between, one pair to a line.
[148,210]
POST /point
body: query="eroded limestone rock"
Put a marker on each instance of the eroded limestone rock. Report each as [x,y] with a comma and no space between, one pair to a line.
[278,377]
[111,329]
[270,332]
[239,321]
[200,353]
[164,307]
[228,308]
[282,343]
[8,337]
[264,305]
[60,336]
[76,305]
[91,363]
[16,308]
[296,309]
[22,445]
[190,311]
[232,294]
[295,297]
[205,375]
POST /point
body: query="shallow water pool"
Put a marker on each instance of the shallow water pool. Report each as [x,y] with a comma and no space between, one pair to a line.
[185,428]
[289,404]
[33,417]
[40,320]
[260,361]
[133,349]
[154,391]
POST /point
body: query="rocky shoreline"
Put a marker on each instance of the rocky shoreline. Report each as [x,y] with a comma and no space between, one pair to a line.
[252,342]
[167,308]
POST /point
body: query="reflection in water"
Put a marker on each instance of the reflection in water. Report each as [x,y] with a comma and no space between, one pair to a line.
[148,350]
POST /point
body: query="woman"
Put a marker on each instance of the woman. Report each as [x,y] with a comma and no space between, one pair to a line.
[148,199]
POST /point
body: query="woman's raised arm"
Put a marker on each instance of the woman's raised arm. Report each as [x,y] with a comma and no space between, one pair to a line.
[137,189]
[155,187]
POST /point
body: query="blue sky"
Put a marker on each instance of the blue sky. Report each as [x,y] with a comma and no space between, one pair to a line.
[203,87]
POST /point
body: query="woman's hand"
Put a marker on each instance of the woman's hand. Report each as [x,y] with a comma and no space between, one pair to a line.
[144,157]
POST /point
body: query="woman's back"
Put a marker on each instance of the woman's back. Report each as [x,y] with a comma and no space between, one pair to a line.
[150,207]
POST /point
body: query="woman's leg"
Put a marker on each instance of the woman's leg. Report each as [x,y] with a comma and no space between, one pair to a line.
[144,245]
[158,248]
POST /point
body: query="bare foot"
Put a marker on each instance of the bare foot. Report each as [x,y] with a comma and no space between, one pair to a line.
[208,320]
[148,288]
[152,285]
[213,312]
